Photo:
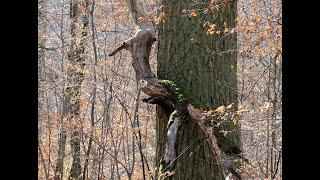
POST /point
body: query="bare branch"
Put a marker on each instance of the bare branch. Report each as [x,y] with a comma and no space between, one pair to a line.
[224,161]
[123,45]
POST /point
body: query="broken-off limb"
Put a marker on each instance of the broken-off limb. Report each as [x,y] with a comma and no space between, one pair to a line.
[140,46]
[223,160]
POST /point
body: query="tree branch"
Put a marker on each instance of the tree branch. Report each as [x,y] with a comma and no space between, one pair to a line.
[123,45]
[222,159]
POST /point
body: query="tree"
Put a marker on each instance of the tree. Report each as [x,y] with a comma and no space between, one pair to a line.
[75,76]
[214,68]
[79,25]
[206,66]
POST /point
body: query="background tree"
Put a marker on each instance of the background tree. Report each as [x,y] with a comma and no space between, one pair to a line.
[79,25]
[75,77]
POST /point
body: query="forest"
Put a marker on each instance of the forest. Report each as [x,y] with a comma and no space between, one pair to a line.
[159,89]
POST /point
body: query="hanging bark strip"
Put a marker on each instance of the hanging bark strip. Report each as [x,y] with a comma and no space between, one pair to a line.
[170,151]
[140,46]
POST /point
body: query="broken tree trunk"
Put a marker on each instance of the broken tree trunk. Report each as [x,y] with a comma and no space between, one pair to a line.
[167,94]
[139,47]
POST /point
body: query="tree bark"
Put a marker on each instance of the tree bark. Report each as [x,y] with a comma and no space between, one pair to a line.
[58,174]
[75,76]
[185,57]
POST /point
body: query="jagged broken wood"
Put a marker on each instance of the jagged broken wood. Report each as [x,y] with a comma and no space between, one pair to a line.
[140,46]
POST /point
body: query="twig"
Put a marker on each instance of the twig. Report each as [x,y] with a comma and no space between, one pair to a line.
[123,45]
[275,173]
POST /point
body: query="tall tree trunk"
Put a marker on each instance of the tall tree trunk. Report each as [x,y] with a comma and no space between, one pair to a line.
[94,91]
[42,39]
[62,138]
[75,76]
[62,135]
[185,56]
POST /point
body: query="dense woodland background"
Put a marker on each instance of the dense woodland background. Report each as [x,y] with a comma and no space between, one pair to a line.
[117,130]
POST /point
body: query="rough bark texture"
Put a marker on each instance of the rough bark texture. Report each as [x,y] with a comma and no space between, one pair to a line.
[185,57]
[62,138]
[75,77]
